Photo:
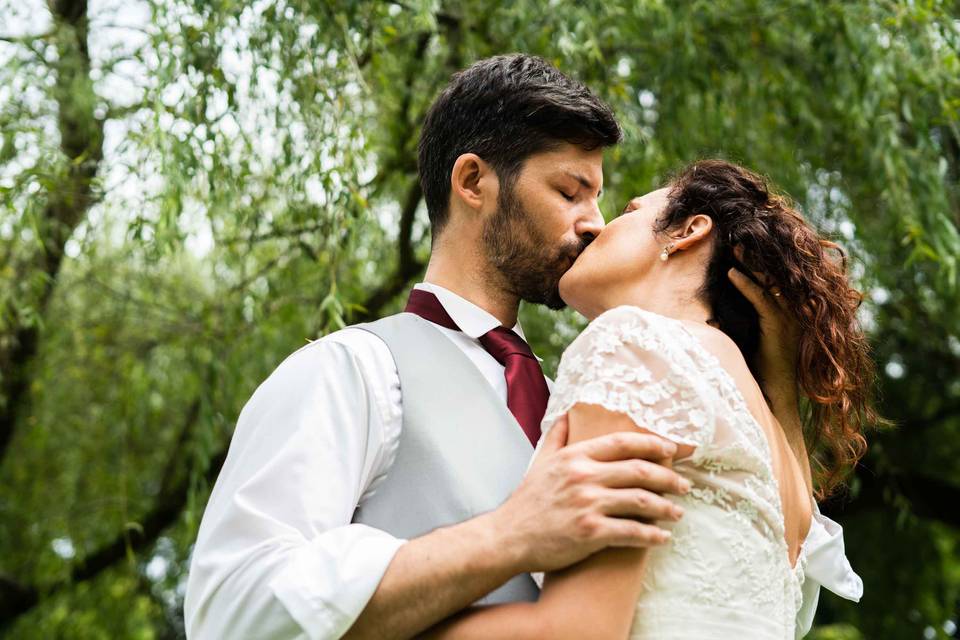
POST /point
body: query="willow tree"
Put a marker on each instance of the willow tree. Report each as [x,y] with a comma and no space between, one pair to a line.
[189,190]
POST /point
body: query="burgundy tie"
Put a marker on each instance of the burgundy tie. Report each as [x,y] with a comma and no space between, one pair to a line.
[527,391]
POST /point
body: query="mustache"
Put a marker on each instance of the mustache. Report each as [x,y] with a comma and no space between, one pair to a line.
[573,249]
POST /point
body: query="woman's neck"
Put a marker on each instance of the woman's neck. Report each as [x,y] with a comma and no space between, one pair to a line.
[675,299]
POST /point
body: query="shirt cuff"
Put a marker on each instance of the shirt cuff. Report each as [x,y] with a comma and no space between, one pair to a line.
[327,582]
[824,564]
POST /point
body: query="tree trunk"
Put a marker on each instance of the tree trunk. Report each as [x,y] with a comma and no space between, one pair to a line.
[67,204]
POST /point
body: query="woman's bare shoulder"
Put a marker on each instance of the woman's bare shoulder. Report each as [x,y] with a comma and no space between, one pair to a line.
[728,354]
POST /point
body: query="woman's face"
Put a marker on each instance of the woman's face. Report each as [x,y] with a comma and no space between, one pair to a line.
[620,258]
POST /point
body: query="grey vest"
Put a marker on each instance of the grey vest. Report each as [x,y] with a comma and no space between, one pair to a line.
[461,451]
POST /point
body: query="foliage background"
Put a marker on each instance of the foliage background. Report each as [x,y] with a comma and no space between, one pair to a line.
[190,189]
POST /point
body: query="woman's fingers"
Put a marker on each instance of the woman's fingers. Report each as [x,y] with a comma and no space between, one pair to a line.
[766,302]
[760,277]
[755,292]
[750,289]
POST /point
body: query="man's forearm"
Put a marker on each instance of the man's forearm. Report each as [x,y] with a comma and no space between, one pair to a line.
[785,405]
[784,402]
[786,409]
[436,575]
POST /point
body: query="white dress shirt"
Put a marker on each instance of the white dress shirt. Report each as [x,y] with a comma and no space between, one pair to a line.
[276,555]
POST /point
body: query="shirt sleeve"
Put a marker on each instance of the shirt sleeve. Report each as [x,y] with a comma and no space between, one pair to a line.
[276,555]
[824,564]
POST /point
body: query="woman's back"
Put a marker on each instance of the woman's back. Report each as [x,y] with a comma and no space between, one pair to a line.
[788,454]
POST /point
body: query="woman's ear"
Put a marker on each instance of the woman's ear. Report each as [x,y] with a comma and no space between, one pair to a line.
[472,181]
[696,229]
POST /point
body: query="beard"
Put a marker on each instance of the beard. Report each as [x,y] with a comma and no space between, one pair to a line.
[525,260]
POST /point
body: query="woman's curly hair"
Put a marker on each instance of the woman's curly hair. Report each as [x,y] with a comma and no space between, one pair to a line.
[834,368]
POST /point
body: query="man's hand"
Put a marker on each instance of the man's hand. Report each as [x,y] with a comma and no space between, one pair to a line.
[780,337]
[575,500]
[578,499]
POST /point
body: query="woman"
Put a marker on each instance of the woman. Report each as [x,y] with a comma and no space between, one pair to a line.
[671,349]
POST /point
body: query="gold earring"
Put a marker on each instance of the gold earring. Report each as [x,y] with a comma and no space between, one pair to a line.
[666,252]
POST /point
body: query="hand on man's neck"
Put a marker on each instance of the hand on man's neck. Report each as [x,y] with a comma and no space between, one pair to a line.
[467,274]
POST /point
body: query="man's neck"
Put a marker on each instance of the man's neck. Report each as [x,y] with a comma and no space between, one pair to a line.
[464,276]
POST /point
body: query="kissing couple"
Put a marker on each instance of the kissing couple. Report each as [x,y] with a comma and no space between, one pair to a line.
[418,476]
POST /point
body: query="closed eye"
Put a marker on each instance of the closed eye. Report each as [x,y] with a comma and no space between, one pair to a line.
[566,197]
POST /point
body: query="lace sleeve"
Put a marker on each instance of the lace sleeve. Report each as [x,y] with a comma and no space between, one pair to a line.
[635,362]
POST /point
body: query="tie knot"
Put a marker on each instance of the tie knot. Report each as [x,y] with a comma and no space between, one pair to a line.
[502,342]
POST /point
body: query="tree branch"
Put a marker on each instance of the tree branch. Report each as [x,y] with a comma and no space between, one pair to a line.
[277,233]
[26,40]
[407,265]
[81,142]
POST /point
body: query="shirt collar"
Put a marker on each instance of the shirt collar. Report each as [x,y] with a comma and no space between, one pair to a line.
[472,320]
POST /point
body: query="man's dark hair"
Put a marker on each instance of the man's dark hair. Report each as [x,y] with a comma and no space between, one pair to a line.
[505,109]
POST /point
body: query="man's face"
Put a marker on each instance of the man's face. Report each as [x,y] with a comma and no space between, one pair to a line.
[545,220]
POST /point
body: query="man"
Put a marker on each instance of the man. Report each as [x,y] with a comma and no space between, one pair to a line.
[376,480]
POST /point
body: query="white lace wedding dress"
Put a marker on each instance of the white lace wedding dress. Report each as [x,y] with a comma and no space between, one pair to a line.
[726,571]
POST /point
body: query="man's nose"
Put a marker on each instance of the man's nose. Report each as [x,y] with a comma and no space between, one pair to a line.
[590,226]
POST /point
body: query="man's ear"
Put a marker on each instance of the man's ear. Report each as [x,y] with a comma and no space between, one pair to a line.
[696,229]
[473,181]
